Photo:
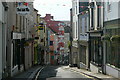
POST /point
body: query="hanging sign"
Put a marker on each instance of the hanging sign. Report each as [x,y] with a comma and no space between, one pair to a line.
[40,27]
[22,8]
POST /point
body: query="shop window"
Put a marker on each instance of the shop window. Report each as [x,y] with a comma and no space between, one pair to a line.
[42,40]
[96,51]
[16,52]
[109,6]
[51,43]
[83,54]
[112,50]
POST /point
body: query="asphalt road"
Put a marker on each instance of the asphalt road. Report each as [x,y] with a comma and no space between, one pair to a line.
[59,73]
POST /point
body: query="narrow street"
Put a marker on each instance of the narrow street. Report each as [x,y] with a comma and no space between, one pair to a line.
[60,73]
[60,39]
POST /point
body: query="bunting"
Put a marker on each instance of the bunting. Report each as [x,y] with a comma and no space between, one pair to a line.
[21,3]
[56,5]
[90,7]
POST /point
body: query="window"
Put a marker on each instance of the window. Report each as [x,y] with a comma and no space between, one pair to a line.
[109,6]
[96,51]
[76,30]
[83,54]
[76,7]
[112,49]
[20,23]
[83,25]
[86,22]
[42,40]
[98,17]
[92,18]
[51,43]
[80,25]
[16,53]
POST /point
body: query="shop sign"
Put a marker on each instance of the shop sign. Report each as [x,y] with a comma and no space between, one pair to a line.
[22,8]
[40,27]
[75,44]
[16,36]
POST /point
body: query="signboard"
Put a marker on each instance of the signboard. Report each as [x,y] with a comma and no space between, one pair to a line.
[74,44]
[18,35]
[22,8]
[40,27]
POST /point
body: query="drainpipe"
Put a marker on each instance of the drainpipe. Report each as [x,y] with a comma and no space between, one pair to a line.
[89,47]
[104,46]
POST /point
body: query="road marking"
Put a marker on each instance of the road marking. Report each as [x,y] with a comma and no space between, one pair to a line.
[81,73]
[38,73]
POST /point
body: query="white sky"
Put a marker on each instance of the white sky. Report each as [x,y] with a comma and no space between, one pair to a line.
[60,9]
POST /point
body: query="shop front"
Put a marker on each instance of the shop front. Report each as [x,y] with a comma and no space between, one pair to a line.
[111,40]
[84,54]
[96,52]
[75,54]
[18,53]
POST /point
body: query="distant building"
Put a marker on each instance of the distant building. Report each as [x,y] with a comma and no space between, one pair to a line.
[51,23]
[55,27]
[66,46]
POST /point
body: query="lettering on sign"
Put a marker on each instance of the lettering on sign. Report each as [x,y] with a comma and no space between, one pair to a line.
[22,8]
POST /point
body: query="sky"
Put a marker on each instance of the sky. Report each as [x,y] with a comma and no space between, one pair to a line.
[60,9]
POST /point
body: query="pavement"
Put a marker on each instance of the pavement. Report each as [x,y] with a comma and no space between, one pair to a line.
[33,72]
[28,74]
[99,76]
[59,73]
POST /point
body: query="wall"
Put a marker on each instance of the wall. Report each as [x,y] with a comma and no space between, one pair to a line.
[111,24]
[55,42]
[1,40]
[0,50]
[84,22]
[75,19]
[113,13]
[112,71]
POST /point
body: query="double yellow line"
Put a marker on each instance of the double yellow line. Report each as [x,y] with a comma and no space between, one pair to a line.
[81,74]
[36,77]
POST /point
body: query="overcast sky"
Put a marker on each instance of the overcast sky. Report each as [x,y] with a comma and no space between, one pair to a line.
[60,9]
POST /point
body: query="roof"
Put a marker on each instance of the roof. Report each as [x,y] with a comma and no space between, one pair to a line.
[51,23]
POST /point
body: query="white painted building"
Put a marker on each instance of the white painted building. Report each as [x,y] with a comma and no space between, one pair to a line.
[18,32]
[1,41]
[111,11]
[112,29]
[84,38]
[3,29]
[96,30]
[75,12]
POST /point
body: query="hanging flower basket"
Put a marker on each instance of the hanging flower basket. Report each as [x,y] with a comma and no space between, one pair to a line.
[105,38]
[26,44]
[115,38]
